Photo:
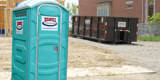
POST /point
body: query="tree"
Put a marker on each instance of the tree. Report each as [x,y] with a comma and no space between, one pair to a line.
[68,6]
[151,1]
[74,9]
[154,19]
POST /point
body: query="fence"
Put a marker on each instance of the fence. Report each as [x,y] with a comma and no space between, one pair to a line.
[149,30]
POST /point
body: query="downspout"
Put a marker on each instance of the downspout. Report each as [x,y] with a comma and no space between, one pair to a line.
[154,7]
[142,11]
[146,11]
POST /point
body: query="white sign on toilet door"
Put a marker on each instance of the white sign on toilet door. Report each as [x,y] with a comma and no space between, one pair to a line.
[19,27]
[49,23]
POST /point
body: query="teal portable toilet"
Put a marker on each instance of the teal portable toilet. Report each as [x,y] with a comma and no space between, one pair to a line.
[40,41]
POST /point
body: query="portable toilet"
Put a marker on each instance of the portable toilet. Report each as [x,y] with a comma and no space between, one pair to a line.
[40,41]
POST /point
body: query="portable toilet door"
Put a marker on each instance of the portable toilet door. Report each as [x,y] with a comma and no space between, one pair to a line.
[46,45]
[46,31]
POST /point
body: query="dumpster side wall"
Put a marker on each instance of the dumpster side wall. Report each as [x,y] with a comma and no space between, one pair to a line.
[107,29]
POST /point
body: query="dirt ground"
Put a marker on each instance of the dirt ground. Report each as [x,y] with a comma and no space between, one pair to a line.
[5,54]
[83,56]
[5,58]
[143,54]
[87,62]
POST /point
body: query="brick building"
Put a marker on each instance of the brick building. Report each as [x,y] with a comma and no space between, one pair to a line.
[121,8]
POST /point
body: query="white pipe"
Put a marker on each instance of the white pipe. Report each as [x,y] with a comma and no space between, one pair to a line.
[154,7]
[146,11]
[142,11]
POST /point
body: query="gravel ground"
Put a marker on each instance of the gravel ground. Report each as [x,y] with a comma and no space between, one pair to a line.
[5,54]
[121,77]
[83,56]
[145,54]
[96,61]
[141,53]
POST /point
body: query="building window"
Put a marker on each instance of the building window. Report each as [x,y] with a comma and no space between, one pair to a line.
[129,4]
[104,9]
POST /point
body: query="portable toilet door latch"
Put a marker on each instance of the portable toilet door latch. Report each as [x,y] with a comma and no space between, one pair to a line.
[56,49]
[38,13]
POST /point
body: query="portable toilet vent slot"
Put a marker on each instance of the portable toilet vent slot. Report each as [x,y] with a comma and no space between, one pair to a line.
[40,41]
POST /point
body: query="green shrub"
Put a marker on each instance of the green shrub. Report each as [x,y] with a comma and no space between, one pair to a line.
[154,19]
[70,29]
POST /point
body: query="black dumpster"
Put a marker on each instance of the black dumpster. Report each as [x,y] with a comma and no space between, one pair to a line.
[133,29]
[106,29]
[82,26]
[122,29]
[101,30]
[88,25]
[94,28]
[109,29]
[75,25]
[125,29]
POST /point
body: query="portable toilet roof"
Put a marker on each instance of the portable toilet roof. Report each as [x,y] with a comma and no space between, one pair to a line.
[33,3]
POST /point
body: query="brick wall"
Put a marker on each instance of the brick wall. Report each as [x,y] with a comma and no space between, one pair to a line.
[158,6]
[87,8]
[119,8]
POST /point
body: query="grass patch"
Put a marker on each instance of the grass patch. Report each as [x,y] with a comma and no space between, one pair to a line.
[153,38]
[111,74]
[70,29]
